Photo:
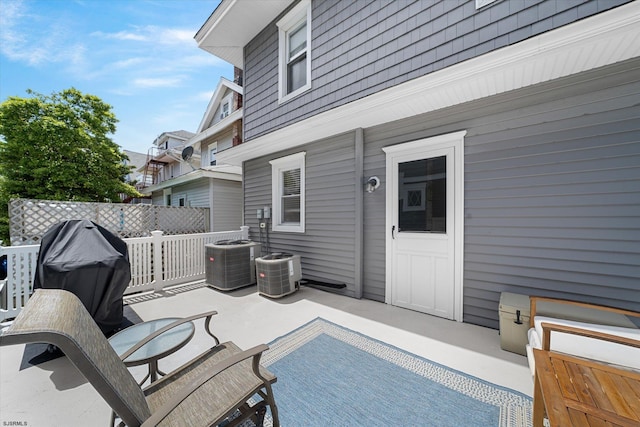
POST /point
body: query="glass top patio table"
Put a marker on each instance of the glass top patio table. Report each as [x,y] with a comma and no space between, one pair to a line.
[159,347]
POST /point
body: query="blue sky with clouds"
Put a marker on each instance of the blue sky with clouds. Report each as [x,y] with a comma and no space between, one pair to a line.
[139,56]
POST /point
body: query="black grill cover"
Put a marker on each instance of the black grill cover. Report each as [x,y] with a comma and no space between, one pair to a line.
[87,260]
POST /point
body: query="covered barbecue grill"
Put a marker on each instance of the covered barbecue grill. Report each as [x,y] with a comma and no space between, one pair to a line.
[87,260]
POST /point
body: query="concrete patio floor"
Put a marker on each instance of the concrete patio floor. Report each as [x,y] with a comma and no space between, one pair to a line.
[55,394]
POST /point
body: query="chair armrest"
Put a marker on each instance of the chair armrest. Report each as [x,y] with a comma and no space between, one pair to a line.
[186,391]
[548,328]
[172,325]
[534,300]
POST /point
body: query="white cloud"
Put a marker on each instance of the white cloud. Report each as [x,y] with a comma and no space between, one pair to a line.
[32,39]
[11,12]
[204,96]
[37,40]
[150,82]
[160,57]
[130,63]
[203,59]
[151,34]
[172,36]
[121,35]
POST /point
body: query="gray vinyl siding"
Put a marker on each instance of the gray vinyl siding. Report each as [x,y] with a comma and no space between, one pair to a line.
[157,198]
[226,205]
[552,195]
[327,245]
[362,47]
[197,193]
[222,197]
[552,192]
[552,206]
[224,141]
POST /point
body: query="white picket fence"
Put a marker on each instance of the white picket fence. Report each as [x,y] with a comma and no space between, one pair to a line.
[181,257]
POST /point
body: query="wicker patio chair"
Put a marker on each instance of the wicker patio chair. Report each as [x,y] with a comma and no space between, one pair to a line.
[203,392]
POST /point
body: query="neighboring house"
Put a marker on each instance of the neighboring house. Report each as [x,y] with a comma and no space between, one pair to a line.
[504,136]
[164,159]
[221,126]
[136,161]
[136,176]
[184,168]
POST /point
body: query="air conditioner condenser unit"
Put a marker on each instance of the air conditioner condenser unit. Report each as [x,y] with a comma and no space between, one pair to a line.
[278,274]
[230,264]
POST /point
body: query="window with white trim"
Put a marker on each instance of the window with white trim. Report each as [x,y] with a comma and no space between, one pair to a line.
[225,110]
[288,193]
[294,33]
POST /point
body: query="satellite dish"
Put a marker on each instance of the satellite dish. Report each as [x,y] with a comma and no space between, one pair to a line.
[187,153]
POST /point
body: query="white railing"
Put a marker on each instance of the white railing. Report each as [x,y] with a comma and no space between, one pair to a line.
[180,256]
[16,288]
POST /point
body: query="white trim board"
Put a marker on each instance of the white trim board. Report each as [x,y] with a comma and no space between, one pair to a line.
[597,41]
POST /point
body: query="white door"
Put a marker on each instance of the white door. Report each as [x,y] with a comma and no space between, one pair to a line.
[424,225]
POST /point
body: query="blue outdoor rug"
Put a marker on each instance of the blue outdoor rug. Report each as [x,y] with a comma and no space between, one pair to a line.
[331,376]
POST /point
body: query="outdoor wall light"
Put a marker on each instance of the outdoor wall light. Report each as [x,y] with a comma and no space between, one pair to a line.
[372,184]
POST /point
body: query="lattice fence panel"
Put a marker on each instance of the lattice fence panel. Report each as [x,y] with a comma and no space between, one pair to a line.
[30,219]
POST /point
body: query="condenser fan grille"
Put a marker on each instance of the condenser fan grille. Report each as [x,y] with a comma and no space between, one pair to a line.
[230,264]
[278,274]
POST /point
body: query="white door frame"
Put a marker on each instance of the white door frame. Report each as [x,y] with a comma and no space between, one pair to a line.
[456,141]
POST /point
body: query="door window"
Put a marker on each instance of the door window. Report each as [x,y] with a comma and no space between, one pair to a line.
[422,195]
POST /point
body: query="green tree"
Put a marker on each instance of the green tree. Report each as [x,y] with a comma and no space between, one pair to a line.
[57,148]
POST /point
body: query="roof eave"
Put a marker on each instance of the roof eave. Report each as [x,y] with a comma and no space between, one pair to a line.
[233,24]
[223,172]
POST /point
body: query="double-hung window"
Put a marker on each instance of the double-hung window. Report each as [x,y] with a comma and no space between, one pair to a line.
[295,51]
[225,110]
[288,193]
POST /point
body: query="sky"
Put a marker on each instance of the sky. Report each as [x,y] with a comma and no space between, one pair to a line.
[139,56]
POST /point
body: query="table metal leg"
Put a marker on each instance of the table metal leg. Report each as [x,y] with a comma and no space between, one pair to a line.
[153,369]
[153,373]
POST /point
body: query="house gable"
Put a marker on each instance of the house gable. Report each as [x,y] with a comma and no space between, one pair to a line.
[221,125]
[222,94]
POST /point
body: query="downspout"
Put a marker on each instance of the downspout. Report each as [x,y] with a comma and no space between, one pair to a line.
[359,207]
[244,203]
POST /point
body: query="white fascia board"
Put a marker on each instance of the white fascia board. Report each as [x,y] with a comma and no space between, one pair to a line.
[597,41]
[228,172]
[225,172]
